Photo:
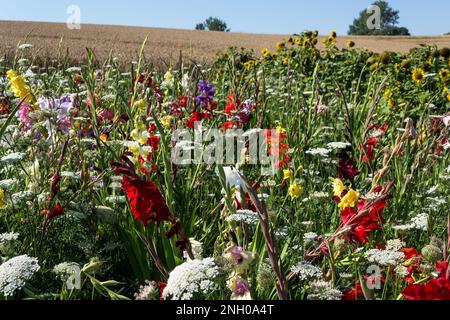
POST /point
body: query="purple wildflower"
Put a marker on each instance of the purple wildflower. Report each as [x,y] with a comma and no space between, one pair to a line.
[207,93]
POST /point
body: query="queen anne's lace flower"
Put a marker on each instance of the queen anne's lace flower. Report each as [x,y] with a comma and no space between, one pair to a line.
[391,256]
[322,290]
[13,157]
[338,145]
[420,221]
[319,151]
[245,216]
[15,272]
[306,271]
[191,278]
[7,243]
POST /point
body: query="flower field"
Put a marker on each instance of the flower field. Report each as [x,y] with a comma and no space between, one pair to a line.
[114,182]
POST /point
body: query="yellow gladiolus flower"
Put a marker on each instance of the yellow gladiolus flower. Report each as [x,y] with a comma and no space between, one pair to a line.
[18,86]
[349,200]
[287,174]
[167,121]
[338,187]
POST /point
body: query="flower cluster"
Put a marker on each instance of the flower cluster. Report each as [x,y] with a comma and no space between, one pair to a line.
[16,272]
[192,279]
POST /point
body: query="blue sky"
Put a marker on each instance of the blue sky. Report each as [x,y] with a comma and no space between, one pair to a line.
[421,17]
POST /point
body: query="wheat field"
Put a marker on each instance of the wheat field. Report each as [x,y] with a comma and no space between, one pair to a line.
[164,45]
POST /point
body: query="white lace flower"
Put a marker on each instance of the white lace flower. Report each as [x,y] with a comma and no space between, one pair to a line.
[322,290]
[8,183]
[15,272]
[420,222]
[13,157]
[191,278]
[244,216]
[319,151]
[391,256]
[310,237]
[306,271]
[338,145]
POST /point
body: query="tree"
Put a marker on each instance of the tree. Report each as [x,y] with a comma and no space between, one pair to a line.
[378,22]
[200,26]
[213,24]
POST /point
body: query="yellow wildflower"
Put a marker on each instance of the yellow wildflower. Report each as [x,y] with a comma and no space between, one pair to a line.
[444,74]
[249,64]
[349,200]
[295,190]
[287,174]
[265,52]
[167,121]
[280,45]
[338,187]
[306,43]
[280,128]
[418,75]
[104,137]
[18,86]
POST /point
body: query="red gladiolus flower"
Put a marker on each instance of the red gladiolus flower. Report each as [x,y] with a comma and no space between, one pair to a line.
[435,289]
[354,293]
[278,147]
[365,219]
[161,286]
[57,211]
[197,117]
[147,203]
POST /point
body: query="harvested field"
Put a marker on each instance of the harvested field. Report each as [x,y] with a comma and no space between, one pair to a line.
[164,45]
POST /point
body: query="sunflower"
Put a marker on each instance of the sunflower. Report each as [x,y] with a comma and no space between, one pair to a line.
[306,43]
[418,75]
[265,52]
[280,46]
[298,40]
[333,34]
[444,74]
[249,64]
[350,44]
